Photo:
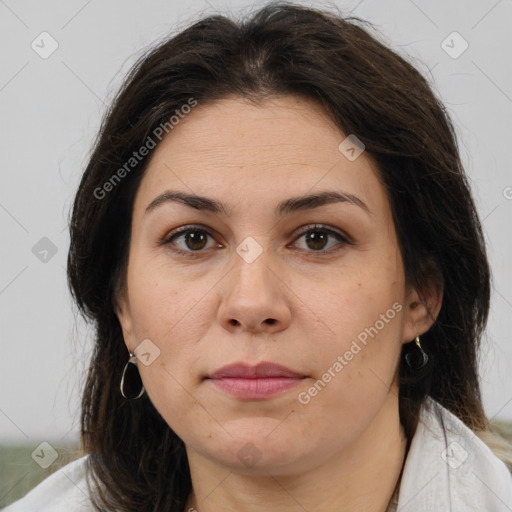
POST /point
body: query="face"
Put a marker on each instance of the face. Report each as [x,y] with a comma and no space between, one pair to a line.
[317,287]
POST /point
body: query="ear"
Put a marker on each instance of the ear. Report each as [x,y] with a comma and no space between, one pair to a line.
[123,312]
[422,307]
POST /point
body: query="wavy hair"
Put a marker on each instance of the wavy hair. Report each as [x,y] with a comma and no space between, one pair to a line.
[136,462]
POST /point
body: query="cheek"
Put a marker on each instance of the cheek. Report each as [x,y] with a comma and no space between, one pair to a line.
[160,297]
[362,319]
[176,401]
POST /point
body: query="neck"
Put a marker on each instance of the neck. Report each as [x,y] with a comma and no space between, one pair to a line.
[360,477]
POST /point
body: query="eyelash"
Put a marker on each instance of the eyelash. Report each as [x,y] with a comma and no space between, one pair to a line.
[343,239]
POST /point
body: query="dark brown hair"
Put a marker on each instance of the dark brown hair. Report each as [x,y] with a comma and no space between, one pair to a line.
[137,463]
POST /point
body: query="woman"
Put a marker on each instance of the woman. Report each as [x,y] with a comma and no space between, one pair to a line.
[276,242]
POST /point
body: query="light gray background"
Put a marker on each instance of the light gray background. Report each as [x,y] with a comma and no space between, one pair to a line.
[50,112]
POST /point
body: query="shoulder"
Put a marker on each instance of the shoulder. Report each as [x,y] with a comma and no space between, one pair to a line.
[460,442]
[449,467]
[63,491]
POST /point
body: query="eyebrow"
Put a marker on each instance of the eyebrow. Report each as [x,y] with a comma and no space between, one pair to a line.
[290,205]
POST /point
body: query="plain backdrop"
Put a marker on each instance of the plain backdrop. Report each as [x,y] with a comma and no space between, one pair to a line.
[50,112]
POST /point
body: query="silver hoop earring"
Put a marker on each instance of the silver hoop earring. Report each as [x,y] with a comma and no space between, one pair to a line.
[131,384]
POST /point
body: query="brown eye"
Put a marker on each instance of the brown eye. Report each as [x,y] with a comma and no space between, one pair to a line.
[191,239]
[195,240]
[318,237]
[317,240]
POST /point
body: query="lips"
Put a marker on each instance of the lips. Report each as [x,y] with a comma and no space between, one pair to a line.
[261,370]
[259,382]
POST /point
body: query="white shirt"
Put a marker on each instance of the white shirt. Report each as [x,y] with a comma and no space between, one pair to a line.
[447,470]
[451,469]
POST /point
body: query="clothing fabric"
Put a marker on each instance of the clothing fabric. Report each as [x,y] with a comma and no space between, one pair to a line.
[447,469]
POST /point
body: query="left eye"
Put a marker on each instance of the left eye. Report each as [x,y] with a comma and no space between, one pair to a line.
[195,239]
[317,237]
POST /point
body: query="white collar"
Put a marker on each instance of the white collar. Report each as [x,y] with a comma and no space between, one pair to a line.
[448,468]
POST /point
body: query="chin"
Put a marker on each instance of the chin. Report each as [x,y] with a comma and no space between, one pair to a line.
[254,459]
[255,451]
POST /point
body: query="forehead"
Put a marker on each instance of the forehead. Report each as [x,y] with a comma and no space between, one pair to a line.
[233,149]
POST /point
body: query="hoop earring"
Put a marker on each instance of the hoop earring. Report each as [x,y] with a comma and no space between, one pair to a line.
[131,384]
[416,359]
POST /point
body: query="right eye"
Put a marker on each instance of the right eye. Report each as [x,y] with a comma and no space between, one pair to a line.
[192,238]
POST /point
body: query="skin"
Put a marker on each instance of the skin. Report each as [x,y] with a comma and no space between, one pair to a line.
[344,449]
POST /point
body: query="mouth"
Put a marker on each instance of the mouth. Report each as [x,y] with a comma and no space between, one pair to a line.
[255,382]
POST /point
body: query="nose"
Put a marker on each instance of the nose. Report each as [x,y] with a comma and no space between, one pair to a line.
[255,297]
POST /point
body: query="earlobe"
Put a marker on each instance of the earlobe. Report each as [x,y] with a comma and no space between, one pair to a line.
[421,312]
[122,310]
